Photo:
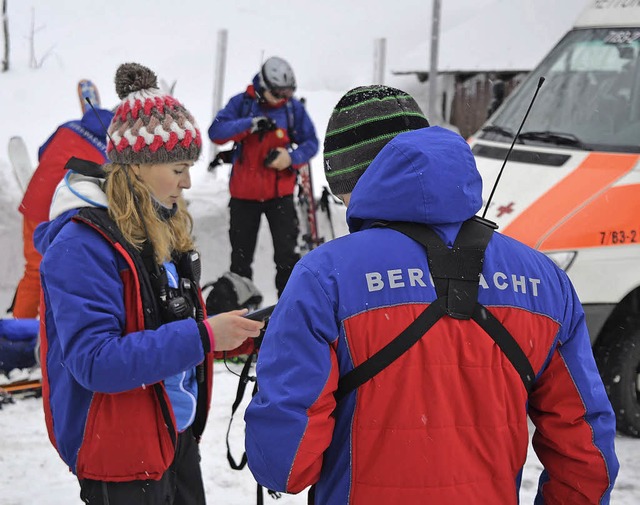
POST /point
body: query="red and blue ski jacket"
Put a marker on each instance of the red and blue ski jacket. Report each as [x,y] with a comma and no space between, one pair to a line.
[104,354]
[447,421]
[85,139]
[250,178]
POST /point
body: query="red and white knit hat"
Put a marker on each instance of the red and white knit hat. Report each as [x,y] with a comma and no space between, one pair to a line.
[149,126]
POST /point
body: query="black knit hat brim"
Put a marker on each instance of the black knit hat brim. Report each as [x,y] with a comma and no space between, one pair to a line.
[362,123]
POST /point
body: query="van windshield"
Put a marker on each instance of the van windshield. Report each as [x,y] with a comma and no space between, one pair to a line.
[590,98]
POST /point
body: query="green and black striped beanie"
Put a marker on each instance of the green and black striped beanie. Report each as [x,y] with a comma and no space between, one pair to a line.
[364,121]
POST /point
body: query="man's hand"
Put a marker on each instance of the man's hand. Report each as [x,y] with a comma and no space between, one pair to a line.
[279,161]
[231,329]
[261,124]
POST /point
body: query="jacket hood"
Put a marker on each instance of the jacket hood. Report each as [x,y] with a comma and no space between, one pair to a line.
[75,191]
[426,176]
[254,89]
[97,122]
[92,127]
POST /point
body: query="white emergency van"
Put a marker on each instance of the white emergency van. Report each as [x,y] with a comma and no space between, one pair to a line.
[571,187]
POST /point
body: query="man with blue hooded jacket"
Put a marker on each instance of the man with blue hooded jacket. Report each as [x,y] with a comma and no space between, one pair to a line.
[274,137]
[446,421]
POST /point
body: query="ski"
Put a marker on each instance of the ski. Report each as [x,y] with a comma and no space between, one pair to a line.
[325,206]
[20,162]
[30,388]
[307,205]
[88,90]
[22,385]
[167,88]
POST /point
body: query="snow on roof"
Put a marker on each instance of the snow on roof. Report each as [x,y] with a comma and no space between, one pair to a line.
[498,35]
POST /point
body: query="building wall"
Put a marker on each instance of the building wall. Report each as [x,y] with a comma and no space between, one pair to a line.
[464,99]
[476,97]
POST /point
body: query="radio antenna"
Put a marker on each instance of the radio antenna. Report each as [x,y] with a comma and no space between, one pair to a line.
[515,138]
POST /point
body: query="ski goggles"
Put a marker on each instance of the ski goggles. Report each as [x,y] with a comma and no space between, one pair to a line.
[282,93]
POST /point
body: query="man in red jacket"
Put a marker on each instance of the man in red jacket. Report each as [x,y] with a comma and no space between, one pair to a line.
[86,139]
[274,137]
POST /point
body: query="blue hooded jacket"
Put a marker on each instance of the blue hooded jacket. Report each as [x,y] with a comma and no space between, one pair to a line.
[447,421]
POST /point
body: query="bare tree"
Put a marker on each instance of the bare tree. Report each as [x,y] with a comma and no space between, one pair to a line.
[5,28]
[32,40]
[33,61]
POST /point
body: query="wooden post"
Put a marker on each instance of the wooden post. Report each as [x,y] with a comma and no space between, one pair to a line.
[379,58]
[218,87]
[5,29]
[433,66]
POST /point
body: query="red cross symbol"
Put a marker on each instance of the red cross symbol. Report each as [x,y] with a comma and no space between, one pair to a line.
[508,209]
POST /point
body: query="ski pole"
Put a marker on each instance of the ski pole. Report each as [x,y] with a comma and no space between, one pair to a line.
[324,205]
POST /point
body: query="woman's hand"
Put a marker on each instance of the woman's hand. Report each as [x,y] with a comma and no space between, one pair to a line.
[230,329]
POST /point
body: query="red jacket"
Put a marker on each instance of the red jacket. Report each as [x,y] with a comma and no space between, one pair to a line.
[250,178]
[71,139]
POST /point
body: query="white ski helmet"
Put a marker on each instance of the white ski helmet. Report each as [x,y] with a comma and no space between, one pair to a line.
[276,74]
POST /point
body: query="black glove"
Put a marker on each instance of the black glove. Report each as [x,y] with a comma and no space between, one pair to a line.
[261,124]
[271,157]
[221,158]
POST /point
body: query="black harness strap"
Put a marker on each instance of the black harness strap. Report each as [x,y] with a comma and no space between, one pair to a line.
[501,336]
[455,272]
[392,351]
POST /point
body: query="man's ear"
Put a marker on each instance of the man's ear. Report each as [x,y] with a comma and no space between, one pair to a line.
[344,198]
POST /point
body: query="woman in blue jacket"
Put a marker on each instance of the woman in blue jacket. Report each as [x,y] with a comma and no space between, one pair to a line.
[126,346]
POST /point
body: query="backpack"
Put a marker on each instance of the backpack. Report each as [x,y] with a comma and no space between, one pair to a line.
[18,343]
[231,292]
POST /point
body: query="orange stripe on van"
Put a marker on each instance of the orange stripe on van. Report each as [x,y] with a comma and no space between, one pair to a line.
[610,220]
[594,175]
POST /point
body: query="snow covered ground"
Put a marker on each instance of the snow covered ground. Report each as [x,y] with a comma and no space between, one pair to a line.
[331,48]
[32,472]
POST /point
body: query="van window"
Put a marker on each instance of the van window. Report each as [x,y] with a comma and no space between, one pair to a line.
[590,99]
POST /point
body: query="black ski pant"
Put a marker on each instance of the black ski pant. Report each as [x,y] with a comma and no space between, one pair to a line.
[181,484]
[244,225]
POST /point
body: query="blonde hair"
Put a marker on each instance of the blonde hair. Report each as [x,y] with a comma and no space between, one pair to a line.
[172,235]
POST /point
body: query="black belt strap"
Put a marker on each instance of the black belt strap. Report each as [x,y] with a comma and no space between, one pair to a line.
[245,378]
[242,385]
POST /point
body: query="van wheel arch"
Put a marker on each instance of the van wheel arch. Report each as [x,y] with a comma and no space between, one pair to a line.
[617,354]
